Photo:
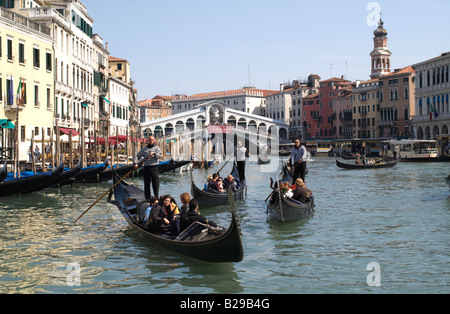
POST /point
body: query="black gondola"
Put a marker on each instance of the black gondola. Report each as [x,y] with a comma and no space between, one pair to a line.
[20,185]
[263,159]
[66,175]
[285,209]
[57,177]
[344,165]
[4,172]
[107,174]
[86,173]
[197,241]
[207,199]
[172,165]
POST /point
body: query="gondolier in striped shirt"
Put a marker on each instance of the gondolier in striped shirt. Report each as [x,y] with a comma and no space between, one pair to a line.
[298,161]
[152,154]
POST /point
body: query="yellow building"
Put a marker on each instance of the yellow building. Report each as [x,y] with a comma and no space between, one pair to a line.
[26,60]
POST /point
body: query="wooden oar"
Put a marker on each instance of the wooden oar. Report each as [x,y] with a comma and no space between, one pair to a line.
[112,188]
[218,172]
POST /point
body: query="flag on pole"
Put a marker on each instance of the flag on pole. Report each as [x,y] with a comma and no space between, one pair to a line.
[20,93]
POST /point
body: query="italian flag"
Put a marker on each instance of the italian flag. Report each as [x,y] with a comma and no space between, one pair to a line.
[20,93]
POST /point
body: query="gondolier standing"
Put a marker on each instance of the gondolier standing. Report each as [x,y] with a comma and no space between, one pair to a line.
[152,154]
[241,152]
[298,161]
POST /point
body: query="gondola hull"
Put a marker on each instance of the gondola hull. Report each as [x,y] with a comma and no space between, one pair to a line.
[221,248]
[4,172]
[86,173]
[107,174]
[21,185]
[284,209]
[344,165]
[58,175]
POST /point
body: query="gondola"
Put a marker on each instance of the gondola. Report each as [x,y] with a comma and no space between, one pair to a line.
[197,241]
[107,174]
[66,175]
[27,182]
[344,165]
[263,159]
[172,165]
[4,172]
[59,176]
[284,209]
[86,173]
[207,199]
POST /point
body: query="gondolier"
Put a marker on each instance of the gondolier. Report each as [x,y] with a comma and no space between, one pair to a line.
[241,157]
[152,154]
[298,161]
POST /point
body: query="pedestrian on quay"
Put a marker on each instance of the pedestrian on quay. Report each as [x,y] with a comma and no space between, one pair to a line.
[152,154]
[298,160]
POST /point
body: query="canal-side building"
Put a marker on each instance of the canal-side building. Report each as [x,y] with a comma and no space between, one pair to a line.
[329,91]
[101,85]
[156,108]
[26,79]
[249,100]
[71,29]
[397,103]
[343,111]
[432,115]
[366,109]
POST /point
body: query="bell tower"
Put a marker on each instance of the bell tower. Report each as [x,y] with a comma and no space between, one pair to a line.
[381,56]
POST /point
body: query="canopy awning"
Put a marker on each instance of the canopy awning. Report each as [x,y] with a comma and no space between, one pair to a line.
[7,124]
[69,131]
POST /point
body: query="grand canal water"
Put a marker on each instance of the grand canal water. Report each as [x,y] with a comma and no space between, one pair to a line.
[398,218]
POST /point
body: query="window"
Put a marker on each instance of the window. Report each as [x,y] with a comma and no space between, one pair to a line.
[9,49]
[48,58]
[49,95]
[36,58]
[21,53]
[22,134]
[36,95]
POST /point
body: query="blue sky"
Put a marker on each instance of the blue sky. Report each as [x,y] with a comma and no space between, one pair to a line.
[197,46]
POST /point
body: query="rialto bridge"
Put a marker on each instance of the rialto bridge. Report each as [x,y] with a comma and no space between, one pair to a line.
[214,113]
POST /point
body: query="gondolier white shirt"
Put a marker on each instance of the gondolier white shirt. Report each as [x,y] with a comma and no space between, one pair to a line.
[240,154]
[299,154]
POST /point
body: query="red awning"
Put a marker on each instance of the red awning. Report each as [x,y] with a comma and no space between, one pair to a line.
[68,131]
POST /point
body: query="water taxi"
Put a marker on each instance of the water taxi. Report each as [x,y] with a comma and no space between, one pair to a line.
[413,150]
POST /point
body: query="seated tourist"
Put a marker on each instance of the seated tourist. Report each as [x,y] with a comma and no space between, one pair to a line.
[213,186]
[229,181]
[301,194]
[207,182]
[185,199]
[145,218]
[194,215]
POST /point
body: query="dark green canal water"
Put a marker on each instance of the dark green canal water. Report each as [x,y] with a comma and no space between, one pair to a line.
[396,218]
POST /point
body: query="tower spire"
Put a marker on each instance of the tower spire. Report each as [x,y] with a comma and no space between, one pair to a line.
[381,56]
